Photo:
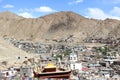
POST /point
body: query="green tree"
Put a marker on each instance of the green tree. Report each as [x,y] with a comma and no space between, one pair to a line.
[113,54]
[103,50]
[66,52]
[58,56]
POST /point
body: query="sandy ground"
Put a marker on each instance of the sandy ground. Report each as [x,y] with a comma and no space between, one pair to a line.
[10,53]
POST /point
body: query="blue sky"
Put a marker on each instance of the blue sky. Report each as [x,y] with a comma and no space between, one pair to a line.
[98,9]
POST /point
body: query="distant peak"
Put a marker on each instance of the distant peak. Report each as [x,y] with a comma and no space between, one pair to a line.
[67,11]
[9,15]
[7,12]
[64,13]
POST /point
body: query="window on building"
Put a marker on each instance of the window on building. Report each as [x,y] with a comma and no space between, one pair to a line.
[74,66]
[74,58]
[70,58]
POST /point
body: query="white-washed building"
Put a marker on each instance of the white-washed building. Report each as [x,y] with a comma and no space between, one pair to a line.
[76,66]
[74,63]
[73,57]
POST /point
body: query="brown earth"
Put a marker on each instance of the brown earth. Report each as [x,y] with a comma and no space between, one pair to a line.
[56,26]
[10,54]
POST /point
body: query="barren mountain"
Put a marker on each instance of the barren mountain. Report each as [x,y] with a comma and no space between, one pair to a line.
[10,54]
[56,26]
[9,15]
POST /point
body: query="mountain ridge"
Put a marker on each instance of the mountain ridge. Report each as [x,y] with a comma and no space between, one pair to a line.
[9,15]
[58,25]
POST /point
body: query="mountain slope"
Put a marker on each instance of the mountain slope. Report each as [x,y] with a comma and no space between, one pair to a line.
[9,15]
[58,25]
[10,53]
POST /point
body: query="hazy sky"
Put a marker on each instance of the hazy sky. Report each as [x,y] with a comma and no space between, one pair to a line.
[98,9]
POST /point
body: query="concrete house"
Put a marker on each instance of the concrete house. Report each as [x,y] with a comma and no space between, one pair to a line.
[74,63]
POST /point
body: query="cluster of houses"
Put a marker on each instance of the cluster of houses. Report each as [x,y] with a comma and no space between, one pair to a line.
[84,62]
[36,47]
[93,68]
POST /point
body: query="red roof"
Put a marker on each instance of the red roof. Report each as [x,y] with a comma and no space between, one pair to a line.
[84,69]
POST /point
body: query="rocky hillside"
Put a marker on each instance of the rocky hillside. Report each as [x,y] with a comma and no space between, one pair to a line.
[57,26]
[10,54]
